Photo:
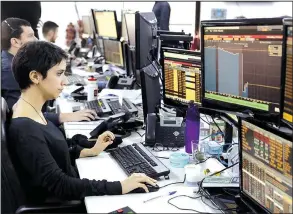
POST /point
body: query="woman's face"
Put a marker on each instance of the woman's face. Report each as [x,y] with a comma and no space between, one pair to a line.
[54,83]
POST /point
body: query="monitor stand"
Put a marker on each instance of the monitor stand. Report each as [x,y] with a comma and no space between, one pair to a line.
[228,136]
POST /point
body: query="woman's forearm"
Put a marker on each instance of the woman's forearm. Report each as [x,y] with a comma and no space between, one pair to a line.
[89,152]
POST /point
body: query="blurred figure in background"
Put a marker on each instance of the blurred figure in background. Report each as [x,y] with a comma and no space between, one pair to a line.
[162,12]
[50,31]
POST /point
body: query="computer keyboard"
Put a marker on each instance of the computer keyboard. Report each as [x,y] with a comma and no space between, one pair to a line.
[75,79]
[127,106]
[138,159]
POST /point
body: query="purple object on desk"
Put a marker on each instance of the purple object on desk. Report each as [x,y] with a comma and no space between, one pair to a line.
[192,128]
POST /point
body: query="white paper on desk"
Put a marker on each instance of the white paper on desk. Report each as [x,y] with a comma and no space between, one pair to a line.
[133,95]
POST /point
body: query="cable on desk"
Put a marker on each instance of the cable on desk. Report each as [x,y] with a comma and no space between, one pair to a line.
[207,118]
[229,193]
[203,192]
[180,182]
[183,208]
[216,208]
[173,147]
[140,134]
[204,121]
[162,157]
[205,137]
[218,127]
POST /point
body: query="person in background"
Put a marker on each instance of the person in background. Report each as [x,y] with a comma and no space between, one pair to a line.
[38,149]
[15,33]
[162,12]
[27,10]
[50,31]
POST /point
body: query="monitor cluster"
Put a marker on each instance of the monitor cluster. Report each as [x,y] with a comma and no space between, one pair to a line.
[244,66]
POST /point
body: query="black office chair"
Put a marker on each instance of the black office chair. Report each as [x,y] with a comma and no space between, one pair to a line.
[12,195]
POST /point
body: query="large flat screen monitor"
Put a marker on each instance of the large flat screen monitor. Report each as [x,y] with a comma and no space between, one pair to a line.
[266,167]
[181,76]
[241,64]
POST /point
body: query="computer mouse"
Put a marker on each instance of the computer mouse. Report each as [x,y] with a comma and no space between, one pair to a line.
[78,84]
[151,188]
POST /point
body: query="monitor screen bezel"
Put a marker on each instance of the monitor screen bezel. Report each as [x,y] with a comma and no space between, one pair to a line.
[96,24]
[287,22]
[215,104]
[169,101]
[266,127]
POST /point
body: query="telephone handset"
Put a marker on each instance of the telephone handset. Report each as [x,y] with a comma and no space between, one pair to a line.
[167,131]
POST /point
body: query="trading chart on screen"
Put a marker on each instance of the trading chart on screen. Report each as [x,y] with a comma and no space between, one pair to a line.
[243,65]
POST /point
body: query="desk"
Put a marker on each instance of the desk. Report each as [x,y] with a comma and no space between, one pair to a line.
[105,167]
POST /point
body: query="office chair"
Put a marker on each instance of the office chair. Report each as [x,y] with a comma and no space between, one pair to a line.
[12,195]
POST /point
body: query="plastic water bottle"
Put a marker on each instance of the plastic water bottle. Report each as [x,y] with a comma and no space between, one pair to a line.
[92,89]
[192,129]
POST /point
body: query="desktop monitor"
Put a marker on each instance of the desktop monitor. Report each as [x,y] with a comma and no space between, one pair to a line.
[287,94]
[128,27]
[106,23]
[88,27]
[181,76]
[145,38]
[241,65]
[265,167]
[113,52]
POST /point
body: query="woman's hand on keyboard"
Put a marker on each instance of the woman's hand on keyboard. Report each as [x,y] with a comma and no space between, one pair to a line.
[82,115]
[103,141]
[136,180]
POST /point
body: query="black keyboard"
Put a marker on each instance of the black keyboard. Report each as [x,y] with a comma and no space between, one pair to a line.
[138,159]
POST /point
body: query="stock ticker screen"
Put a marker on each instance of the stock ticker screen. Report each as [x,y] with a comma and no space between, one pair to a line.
[182,76]
[243,65]
[288,98]
[267,168]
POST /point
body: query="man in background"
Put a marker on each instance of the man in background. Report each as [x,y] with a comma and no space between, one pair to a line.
[50,31]
[15,33]
[162,12]
[27,10]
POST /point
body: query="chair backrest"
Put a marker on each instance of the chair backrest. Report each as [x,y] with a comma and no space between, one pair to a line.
[11,192]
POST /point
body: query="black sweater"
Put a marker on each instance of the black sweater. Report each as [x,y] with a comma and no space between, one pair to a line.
[41,158]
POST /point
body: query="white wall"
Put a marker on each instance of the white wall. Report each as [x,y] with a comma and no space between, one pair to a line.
[182,13]
[64,12]
[248,9]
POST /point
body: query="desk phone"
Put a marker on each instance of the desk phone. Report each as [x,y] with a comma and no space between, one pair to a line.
[169,131]
[101,106]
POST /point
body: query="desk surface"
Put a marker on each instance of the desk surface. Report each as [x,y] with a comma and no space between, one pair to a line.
[105,167]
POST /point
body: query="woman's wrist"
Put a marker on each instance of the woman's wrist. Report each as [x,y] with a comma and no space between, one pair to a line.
[89,152]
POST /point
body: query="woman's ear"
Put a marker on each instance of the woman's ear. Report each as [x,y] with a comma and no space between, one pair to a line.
[34,77]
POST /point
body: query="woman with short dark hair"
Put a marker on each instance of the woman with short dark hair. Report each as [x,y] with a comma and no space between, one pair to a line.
[37,148]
